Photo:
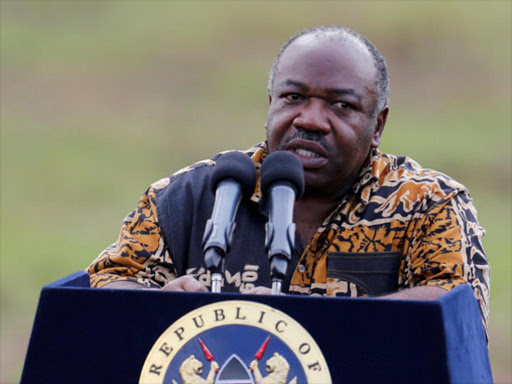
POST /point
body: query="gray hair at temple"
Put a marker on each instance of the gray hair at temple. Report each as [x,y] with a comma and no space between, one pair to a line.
[382,83]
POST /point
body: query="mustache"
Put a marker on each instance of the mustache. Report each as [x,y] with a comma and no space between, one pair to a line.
[306,135]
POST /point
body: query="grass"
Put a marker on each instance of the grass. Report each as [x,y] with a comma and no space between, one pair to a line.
[99,99]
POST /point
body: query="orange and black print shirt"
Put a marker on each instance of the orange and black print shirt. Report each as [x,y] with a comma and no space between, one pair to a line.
[400,226]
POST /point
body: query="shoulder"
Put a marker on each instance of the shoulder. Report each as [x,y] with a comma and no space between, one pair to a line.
[400,170]
[400,183]
[195,178]
[184,202]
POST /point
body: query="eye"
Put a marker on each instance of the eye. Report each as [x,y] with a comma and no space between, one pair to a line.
[293,96]
[342,105]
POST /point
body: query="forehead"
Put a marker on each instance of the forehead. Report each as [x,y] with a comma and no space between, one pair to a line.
[327,62]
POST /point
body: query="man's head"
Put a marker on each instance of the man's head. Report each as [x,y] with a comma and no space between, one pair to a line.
[328,105]
[382,80]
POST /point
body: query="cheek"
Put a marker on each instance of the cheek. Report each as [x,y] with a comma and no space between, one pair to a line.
[278,124]
[273,137]
[352,142]
[280,113]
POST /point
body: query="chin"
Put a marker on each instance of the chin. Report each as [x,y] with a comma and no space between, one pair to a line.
[318,187]
[315,189]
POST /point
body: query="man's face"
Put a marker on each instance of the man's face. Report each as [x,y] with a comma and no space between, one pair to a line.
[322,110]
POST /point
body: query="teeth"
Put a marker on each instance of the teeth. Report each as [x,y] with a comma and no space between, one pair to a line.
[305,153]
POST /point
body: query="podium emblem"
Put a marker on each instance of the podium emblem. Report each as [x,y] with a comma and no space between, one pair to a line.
[240,342]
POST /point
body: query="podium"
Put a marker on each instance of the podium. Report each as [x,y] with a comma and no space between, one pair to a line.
[87,335]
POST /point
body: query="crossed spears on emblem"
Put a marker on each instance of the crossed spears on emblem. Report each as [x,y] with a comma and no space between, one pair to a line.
[257,356]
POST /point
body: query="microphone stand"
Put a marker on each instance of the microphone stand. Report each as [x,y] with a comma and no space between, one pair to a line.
[282,181]
[276,286]
[218,234]
[234,175]
[279,261]
[280,234]
[214,260]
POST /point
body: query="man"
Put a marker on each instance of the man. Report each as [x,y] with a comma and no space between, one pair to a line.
[368,223]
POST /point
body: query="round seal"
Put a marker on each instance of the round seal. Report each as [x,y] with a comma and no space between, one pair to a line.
[240,342]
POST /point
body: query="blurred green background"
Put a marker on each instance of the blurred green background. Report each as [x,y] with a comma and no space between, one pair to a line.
[100,99]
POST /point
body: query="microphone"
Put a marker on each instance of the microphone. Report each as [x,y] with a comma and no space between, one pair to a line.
[234,176]
[282,181]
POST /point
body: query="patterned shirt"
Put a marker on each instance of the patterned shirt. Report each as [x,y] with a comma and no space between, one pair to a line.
[400,226]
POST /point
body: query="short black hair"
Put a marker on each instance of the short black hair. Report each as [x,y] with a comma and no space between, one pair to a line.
[336,30]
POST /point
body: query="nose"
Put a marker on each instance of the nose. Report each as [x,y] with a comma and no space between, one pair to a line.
[313,117]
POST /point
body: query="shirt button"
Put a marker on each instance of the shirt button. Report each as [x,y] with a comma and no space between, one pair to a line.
[301,268]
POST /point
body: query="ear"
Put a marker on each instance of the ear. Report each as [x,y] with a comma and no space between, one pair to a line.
[269,102]
[379,127]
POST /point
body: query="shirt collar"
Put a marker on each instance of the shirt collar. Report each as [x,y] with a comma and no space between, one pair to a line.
[369,174]
[258,154]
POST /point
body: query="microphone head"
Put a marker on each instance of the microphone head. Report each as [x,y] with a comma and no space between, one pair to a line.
[237,166]
[284,167]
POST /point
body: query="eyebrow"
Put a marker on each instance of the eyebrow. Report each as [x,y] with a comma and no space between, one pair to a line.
[297,84]
[330,91]
[341,92]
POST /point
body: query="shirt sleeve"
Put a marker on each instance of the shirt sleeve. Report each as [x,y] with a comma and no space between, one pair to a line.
[446,250]
[140,253]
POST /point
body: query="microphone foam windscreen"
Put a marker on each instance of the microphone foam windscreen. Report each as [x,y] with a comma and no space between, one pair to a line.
[282,166]
[238,166]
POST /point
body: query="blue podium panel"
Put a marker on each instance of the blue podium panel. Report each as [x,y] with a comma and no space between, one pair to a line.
[87,335]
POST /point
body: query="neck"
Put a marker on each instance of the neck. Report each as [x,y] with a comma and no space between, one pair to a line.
[309,214]
[313,208]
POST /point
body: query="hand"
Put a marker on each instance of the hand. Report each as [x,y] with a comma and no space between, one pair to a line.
[259,290]
[254,365]
[214,365]
[417,293]
[186,283]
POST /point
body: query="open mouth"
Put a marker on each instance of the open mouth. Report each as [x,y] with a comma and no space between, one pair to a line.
[305,153]
[310,153]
